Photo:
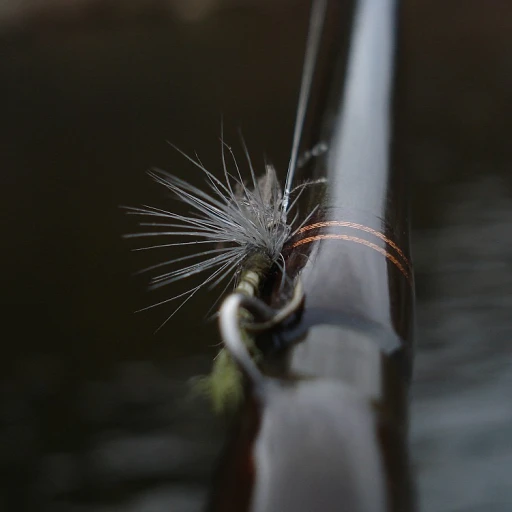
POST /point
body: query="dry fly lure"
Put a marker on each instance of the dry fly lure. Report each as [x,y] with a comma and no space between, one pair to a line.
[242,226]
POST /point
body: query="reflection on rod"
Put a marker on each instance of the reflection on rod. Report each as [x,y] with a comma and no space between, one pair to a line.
[331,432]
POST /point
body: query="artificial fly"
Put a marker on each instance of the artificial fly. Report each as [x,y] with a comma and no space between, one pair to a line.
[242,226]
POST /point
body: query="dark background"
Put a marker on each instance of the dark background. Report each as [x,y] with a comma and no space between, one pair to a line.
[96,412]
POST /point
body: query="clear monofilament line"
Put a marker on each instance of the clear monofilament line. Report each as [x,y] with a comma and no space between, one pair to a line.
[316,24]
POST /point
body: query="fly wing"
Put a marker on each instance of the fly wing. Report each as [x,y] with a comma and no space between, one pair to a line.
[270,188]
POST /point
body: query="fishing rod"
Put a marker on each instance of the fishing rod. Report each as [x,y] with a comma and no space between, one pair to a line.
[319,327]
[324,422]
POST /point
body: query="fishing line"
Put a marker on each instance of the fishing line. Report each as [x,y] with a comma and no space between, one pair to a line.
[316,24]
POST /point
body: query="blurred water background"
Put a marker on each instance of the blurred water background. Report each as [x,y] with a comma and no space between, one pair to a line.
[95,411]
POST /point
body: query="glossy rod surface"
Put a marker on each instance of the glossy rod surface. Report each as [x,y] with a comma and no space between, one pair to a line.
[360,261]
[330,434]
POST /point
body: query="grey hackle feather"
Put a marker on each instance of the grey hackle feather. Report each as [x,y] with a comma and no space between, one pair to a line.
[236,222]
